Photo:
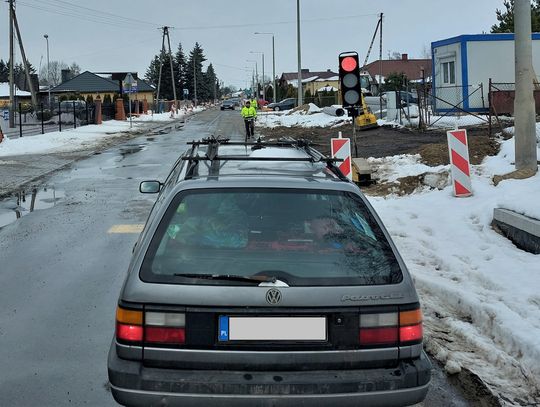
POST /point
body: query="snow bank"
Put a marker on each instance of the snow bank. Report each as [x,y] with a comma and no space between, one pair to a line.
[484,289]
[312,117]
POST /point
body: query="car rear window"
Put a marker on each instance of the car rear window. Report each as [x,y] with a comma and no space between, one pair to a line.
[301,237]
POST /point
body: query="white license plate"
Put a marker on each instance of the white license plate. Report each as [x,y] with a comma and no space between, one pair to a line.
[272,328]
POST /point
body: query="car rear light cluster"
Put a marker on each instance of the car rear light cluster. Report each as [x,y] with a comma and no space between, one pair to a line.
[136,326]
[391,328]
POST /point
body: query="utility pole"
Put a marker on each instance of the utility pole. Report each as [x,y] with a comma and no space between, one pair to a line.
[12,106]
[163,51]
[524,107]
[300,95]
[380,65]
[195,77]
[48,70]
[166,30]
[25,62]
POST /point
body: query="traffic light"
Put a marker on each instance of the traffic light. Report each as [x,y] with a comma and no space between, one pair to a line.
[349,78]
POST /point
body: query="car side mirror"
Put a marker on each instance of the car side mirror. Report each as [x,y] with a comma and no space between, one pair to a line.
[150,187]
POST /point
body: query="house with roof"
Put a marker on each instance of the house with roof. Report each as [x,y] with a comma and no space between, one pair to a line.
[89,84]
[314,81]
[21,96]
[415,70]
[464,65]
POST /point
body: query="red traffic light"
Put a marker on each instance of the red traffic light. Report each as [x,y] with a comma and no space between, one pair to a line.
[349,64]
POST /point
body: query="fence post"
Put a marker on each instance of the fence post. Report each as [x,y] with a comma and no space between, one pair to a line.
[60,116]
[74,117]
[20,119]
[87,119]
[42,127]
[489,108]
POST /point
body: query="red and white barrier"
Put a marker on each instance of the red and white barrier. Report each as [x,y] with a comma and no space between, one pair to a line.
[459,162]
[341,149]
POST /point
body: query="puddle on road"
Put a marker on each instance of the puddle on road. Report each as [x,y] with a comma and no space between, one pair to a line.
[26,201]
[131,149]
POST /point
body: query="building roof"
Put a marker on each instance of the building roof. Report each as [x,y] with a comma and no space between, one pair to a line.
[306,73]
[88,82]
[479,37]
[4,91]
[412,68]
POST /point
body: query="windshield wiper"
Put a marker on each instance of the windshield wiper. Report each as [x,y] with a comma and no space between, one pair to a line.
[229,277]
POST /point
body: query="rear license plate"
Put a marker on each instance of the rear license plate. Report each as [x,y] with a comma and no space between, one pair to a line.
[272,328]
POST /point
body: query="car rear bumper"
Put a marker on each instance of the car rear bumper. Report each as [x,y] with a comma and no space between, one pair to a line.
[133,384]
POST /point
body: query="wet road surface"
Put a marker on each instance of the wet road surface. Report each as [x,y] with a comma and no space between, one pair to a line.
[63,263]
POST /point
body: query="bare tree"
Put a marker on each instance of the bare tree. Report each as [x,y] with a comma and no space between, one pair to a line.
[55,75]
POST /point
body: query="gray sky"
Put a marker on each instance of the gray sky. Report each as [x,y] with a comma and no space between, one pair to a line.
[225,30]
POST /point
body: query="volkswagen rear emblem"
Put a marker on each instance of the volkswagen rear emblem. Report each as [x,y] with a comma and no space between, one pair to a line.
[273,296]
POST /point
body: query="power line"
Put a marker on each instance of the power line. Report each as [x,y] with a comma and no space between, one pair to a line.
[110,21]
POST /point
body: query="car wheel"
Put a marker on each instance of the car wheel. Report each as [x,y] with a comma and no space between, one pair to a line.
[276,108]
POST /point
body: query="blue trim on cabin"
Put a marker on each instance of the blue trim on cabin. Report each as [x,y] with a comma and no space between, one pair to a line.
[464,75]
[463,40]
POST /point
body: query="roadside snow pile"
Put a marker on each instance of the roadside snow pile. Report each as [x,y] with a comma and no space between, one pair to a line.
[304,116]
[450,122]
[481,293]
[409,165]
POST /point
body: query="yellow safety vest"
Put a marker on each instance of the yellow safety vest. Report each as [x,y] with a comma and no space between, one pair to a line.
[248,112]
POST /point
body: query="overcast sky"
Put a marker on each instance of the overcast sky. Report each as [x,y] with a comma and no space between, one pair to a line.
[225,29]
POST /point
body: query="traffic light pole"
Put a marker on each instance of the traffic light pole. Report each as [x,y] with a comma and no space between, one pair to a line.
[354,136]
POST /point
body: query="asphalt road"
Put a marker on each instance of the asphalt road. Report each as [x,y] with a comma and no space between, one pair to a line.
[62,267]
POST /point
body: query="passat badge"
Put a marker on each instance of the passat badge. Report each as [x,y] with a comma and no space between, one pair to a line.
[273,296]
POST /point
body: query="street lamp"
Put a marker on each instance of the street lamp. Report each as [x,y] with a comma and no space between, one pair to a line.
[256,76]
[273,64]
[300,102]
[48,69]
[262,53]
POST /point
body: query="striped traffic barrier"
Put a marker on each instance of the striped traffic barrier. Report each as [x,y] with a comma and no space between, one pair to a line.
[341,149]
[459,162]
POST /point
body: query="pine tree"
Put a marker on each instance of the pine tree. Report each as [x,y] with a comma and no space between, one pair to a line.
[210,81]
[4,71]
[194,70]
[506,17]
[181,67]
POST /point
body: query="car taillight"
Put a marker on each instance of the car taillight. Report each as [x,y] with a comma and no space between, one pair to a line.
[165,328]
[156,328]
[410,326]
[129,325]
[391,328]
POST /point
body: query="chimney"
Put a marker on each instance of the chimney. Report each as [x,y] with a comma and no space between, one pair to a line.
[65,75]
[404,57]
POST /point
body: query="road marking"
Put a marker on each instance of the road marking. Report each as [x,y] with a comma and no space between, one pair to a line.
[126,229]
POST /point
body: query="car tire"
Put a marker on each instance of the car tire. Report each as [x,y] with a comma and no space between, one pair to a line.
[276,109]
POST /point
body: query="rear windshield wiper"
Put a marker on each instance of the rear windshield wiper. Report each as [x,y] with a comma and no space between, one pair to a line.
[229,277]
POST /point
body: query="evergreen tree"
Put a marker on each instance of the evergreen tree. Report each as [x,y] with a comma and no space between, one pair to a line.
[210,81]
[194,71]
[152,75]
[395,81]
[181,68]
[505,17]
[4,71]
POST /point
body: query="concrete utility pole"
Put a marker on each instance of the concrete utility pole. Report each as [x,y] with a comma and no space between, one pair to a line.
[25,63]
[380,65]
[12,107]
[172,69]
[300,94]
[273,66]
[163,51]
[524,106]
[48,70]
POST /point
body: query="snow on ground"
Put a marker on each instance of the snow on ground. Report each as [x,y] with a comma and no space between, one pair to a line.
[476,282]
[83,137]
[313,117]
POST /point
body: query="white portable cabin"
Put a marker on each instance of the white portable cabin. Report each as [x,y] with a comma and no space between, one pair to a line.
[463,65]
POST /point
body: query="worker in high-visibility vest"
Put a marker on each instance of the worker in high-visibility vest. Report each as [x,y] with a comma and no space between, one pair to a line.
[254,104]
[249,113]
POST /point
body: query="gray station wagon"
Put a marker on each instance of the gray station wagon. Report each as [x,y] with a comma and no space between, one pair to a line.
[263,277]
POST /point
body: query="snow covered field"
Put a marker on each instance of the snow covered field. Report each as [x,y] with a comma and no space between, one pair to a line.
[313,117]
[480,294]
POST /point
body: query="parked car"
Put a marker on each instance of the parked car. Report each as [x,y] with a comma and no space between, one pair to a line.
[228,104]
[263,277]
[285,104]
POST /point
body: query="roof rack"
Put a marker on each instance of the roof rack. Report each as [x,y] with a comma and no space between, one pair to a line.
[212,154]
